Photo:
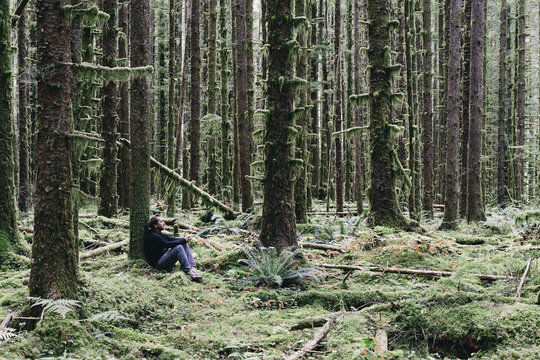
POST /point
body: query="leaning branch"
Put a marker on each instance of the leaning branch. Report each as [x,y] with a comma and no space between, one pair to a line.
[314,342]
[413,271]
[190,186]
[523,277]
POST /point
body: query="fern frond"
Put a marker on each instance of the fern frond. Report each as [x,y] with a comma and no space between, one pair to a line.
[6,333]
[58,306]
[107,316]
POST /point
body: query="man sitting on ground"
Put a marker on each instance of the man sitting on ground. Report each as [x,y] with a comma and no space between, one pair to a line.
[162,251]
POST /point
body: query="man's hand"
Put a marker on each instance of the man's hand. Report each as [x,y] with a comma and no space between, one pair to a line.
[188,238]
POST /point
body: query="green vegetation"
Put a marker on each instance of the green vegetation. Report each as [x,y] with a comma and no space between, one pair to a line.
[130,311]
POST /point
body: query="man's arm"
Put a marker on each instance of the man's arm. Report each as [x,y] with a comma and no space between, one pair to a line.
[171,241]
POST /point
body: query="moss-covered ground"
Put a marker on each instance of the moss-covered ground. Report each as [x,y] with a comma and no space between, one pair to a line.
[161,315]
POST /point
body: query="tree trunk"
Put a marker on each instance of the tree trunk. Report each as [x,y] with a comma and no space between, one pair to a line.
[520,79]
[450,219]
[337,109]
[408,28]
[314,127]
[171,194]
[195,94]
[501,136]
[225,121]
[300,116]
[384,208]
[108,205]
[140,120]
[427,113]
[212,37]
[53,272]
[475,210]
[278,221]
[24,124]
[358,178]
[465,76]
[8,212]
[123,111]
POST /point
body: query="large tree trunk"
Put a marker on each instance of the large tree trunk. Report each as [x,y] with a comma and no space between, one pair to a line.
[8,210]
[123,112]
[225,122]
[195,94]
[212,35]
[475,208]
[501,136]
[465,76]
[384,208]
[24,124]
[427,113]
[337,109]
[520,79]
[278,221]
[140,120]
[53,273]
[108,205]
[301,112]
[411,118]
[450,219]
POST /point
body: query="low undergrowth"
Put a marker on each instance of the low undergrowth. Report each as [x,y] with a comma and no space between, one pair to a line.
[130,311]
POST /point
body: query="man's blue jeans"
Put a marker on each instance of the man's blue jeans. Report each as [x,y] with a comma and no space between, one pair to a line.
[179,253]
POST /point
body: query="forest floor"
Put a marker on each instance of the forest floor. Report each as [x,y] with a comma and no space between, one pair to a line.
[130,311]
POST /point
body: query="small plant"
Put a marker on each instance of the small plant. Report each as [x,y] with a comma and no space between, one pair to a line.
[266,266]
[58,306]
[6,333]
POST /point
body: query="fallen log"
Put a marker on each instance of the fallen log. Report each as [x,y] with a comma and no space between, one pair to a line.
[321,246]
[104,249]
[181,225]
[310,323]
[26,229]
[314,342]
[413,271]
[190,186]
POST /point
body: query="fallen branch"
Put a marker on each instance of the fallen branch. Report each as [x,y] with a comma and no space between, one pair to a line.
[313,343]
[101,238]
[190,186]
[172,221]
[332,213]
[310,323]
[6,321]
[104,249]
[414,271]
[321,246]
[523,278]
[26,229]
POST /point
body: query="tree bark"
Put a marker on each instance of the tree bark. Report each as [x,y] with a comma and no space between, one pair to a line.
[427,112]
[212,36]
[171,195]
[53,272]
[24,124]
[450,219]
[475,210]
[108,205]
[195,94]
[123,111]
[358,177]
[501,133]
[520,79]
[278,220]
[225,106]
[140,120]
[338,121]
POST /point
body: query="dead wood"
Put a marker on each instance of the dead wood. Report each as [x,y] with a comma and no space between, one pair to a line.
[523,278]
[26,229]
[321,246]
[414,271]
[104,249]
[310,323]
[314,342]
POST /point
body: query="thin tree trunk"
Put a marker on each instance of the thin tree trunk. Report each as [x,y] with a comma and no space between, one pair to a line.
[278,221]
[450,219]
[409,25]
[474,187]
[225,122]
[501,136]
[108,205]
[124,185]
[171,194]
[195,94]
[465,76]
[212,37]
[520,79]
[427,113]
[24,123]
[358,178]
[53,272]
[338,121]
[140,120]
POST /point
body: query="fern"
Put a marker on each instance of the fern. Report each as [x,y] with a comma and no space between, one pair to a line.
[6,333]
[58,306]
[107,316]
[266,266]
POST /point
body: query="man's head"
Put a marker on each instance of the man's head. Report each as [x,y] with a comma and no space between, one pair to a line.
[156,223]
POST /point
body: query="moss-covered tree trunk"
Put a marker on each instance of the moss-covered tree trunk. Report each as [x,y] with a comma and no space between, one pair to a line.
[24,123]
[301,112]
[140,120]
[427,112]
[225,121]
[315,157]
[475,210]
[520,105]
[8,210]
[502,105]
[358,169]
[108,205]
[161,143]
[465,98]
[53,272]
[441,116]
[411,118]
[195,94]
[338,121]
[326,140]
[278,220]
[212,37]
[450,219]
[348,148]
[171,194]
[236,45]
[384,208]
[123,111]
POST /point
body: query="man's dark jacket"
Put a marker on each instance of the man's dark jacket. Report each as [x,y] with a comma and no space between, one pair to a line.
[156,244]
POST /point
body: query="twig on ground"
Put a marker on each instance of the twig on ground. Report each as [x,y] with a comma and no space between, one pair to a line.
[523,278]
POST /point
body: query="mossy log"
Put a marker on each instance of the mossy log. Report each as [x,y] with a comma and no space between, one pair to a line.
[321,246]
[181,225]
[414,271]
[314,342]
[104,249]
[310,323]
[207,198]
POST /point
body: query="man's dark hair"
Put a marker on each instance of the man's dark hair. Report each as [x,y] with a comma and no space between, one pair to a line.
[153,221]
